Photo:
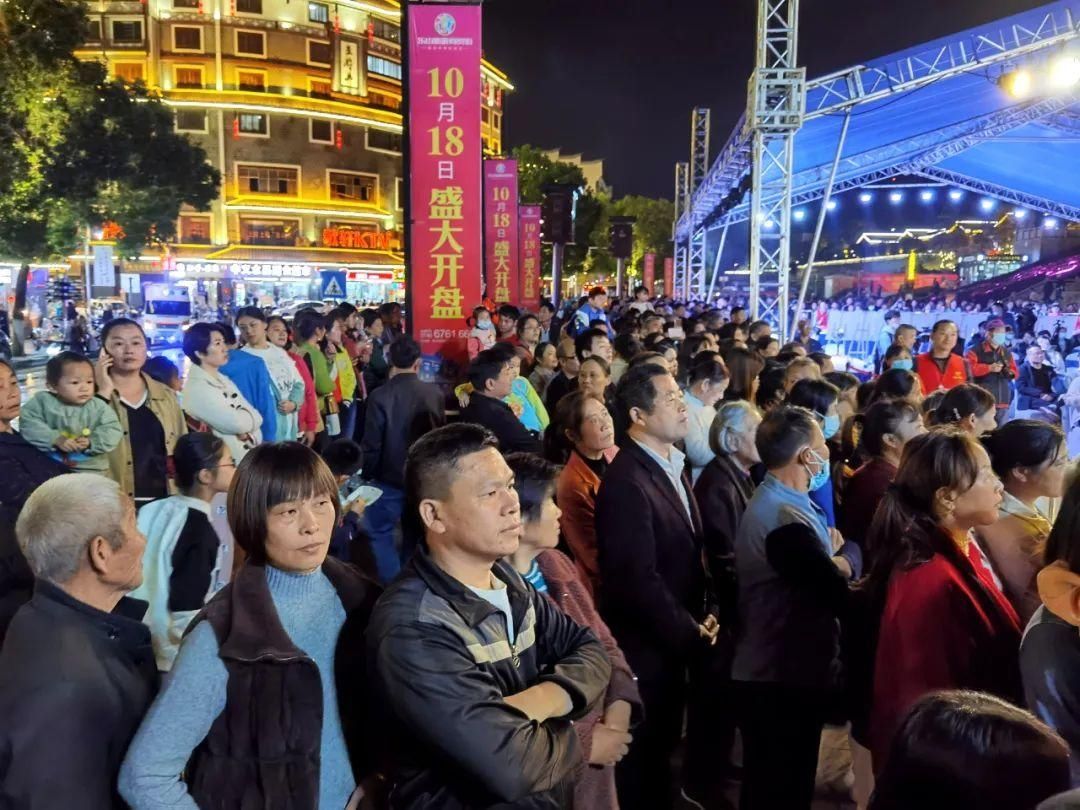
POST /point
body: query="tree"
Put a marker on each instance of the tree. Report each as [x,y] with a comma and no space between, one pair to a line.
[80,149]
[652,226]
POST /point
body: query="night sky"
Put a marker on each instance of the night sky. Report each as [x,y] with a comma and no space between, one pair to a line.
[616,79]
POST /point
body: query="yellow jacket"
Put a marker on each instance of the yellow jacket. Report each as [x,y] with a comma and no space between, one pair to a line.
[164,405]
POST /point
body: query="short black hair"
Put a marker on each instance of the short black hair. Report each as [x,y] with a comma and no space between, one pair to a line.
[389,307]
[161,368]
[640,288]
[197,340]
[403,352]
[757,325]
[770,386]
[583,342]
[250,312]
[343,457]
[627,346]
[346,309]
[943,322]
[509,311]
[115,324]
[894,351]
[306,323]
[545,304]
[54,369]
[883,417]
[195,452]
[892,313]
[782,433]
[1023,443]
[707,365]
[763,343]
[843,380]
[728,330]
[227,332]
[523,321]
[637,389]
[535,480]
[487,365]
[814,395]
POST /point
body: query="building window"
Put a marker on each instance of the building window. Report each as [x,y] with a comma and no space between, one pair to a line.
[187,38]
[382,100]
[194,230]
[320,131]
[382,141]
[399,199]
[189,77]
[318,53]
[249,6]
[251,43]
[387,30]
[185,3]
[93,31]
[318,12]
[191,121]
[251,81]
[319,88]
[383,67]
[251,179]
[129,72]
[353,187]
[127,31]
[273,232]
[254,124]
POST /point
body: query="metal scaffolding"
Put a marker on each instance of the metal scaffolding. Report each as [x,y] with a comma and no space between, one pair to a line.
[699,168]
[774,114]
[682,200]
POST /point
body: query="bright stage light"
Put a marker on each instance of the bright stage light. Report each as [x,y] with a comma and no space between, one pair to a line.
[866,197]
[1019,213]
[770,224]
[987,204]
[1065,72]
[798,214]
[1050,223]
[956,195]
[896,197]
[831,205]
[926,196]
[1019,84]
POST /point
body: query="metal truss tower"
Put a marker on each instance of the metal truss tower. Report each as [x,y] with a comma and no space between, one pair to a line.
[777,103]
[682,203]
[699,168]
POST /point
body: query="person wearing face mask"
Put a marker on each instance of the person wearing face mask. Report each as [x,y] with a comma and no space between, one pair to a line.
[482,335]
[707,380]
[792,588]
[944,621]
[994,368]
[897,356]
[821,397]
[77,668]
[267,701]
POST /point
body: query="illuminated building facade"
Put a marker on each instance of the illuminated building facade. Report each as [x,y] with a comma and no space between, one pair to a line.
[298,105]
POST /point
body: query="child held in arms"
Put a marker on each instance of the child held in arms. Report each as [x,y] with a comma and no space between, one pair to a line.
[67,420]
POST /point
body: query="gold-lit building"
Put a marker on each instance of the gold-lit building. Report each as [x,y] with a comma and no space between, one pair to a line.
[298,105]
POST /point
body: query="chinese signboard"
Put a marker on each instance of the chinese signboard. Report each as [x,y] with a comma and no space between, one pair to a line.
[357,240]
[529,232]
[445,253]
[649,278]
[348,68]
[501,230]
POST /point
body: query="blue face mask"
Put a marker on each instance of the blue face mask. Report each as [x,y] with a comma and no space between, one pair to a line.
[821,477]
[999,338]
[831,426]
[485,325]
[904,363]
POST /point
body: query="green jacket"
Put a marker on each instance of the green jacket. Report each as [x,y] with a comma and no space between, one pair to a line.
[46,419]
[319,365]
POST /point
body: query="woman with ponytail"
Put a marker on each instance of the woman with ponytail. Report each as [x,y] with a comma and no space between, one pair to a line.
[945,623]
[970,408]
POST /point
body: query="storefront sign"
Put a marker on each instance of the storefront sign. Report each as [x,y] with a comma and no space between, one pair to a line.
[356,240]
[269,270]
[529,233]
[669,277]
[104,272]
[348,68]
[371,276]
[445,254]
[650,272]
[501,231]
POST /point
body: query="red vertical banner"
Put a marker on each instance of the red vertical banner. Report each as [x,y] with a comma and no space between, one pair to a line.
[669,277]
[529,233]
[445,251]
[501,230]
[649,278]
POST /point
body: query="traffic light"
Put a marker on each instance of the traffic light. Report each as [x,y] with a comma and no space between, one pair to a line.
[557,214]
[621,237]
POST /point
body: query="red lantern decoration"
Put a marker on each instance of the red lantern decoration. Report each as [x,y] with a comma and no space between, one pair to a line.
[337,24]
[371,32]
[201,9]
[235,127]
[339,139]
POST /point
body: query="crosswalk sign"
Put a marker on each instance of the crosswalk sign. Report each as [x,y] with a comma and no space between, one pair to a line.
[333,284]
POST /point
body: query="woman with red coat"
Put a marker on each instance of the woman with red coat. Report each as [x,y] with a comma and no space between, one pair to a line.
[583,438]
[945,623]
[604,732]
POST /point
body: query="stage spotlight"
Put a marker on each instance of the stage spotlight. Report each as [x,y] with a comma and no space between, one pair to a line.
[798,214]
[1019,213]
[926,196]
[956,195]
[770,224]
[1050,223]
[896,197]
[987,204]
[831,205]
[866,197]
[1065,72]
[1018,84]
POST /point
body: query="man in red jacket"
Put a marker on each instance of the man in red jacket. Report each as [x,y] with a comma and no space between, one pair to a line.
[993,367]
[940,369]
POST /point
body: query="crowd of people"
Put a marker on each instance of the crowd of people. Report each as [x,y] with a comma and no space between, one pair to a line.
[642,556]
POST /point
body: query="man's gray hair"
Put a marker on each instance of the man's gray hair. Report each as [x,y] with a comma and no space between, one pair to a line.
[62,516]
[731,419]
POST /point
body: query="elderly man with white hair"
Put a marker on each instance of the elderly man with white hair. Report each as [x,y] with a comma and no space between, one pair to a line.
[77,669]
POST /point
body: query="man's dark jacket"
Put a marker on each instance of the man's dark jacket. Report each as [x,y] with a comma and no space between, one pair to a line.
[398,413]
[442,665]
[74,685]
[1029,394]
[496,416]
[654,589]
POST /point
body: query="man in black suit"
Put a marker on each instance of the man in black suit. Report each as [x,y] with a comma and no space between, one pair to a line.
[491,377]
[653,592]
[398,413]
